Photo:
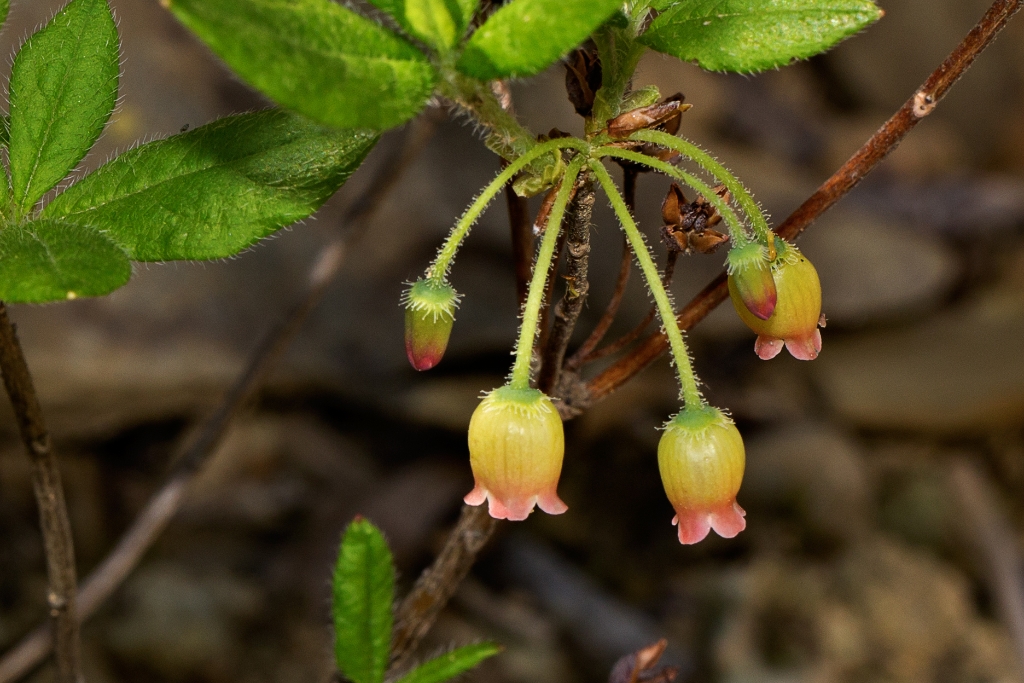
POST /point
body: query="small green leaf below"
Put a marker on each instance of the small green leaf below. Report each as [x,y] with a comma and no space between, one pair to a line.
[526,36]
[753,35]
[215,190]
[316,57]
[438,23]
[450,665]
[63,89]
[52,261]
[364,583]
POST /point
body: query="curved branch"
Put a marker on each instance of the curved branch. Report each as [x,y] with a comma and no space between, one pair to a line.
[920,104]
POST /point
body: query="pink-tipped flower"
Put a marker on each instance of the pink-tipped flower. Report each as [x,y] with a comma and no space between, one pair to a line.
[750,276]
[516,445]
[794,323]
[701,459]
[429,316]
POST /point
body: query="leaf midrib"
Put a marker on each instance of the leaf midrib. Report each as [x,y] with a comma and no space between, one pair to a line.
[49,126]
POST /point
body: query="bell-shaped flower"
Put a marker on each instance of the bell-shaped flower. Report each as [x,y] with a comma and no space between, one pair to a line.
[794,322]
[701,458]
[750,276]
[516,444]
[429,316]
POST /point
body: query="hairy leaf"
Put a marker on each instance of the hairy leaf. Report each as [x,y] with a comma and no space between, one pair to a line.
[316,57]
[63,89]
[753,35]
[526,36]
[364,583]
[215,190]
[450,665]
[49,260]
[439,23]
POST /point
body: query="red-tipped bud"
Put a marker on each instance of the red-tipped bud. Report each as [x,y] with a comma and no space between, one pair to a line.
[701,459]
[797,313]
[429,315]
[750,276]
[516,445]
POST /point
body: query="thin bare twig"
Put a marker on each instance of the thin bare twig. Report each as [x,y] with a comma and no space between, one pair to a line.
[567,310]
[58,545]
[162,507]
[920,104]
[629,176]
[438,583]
[997,544]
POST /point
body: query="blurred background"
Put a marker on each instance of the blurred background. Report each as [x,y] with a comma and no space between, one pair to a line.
[861,561]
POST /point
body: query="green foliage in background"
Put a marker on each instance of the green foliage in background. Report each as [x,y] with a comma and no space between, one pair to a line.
[364,582]
[207,193]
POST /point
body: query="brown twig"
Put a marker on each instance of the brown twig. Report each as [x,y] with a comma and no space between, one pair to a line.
[518,212]
[567,310]
[162,507]
[920,104]
[998,547]
[58,545]
[629,176]
[438,583]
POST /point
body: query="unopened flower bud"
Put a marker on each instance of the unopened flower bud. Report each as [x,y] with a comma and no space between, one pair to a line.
[750,276]
[429,315]
[516,446]
[701,459]
[794,323]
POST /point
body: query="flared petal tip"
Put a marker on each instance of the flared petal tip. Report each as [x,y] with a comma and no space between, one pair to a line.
[807,347]
[767,348]
[694,525]
[515,510]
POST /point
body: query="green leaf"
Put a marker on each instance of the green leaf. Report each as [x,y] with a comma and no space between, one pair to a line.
[450,665]
[753,35]
[63,89]
[5,5]
[364,583]
[316,57]
[526,36]
[215,190]
[439,23]
[5,130]
[49,260]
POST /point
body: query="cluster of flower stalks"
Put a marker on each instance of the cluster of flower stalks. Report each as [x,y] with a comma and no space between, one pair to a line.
[516,440]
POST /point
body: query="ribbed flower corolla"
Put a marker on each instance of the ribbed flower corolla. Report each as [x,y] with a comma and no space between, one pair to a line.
[516,444]
[429,316]
[794,322]
[701,458]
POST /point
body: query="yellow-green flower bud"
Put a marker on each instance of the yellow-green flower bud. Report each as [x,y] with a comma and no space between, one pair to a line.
[429,316]
[794,321]
[516,446]
[750,276]
[701,458]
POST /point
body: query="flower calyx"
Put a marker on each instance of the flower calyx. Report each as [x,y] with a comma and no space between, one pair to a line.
[689,225]
[516,445]
[701,459]
[797,314]
[429,316]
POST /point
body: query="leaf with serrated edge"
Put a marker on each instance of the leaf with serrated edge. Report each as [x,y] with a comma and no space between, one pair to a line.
[217,189]
[526,36]
[63,89]
[450,665]
[364,583]
[316,57]
[753,35]
[49,260]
